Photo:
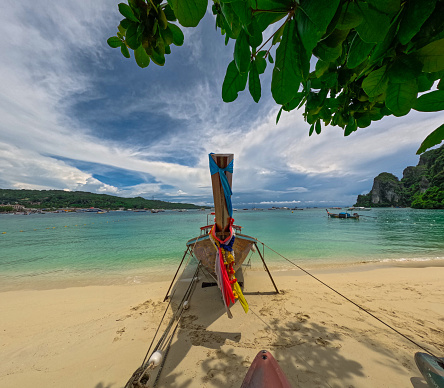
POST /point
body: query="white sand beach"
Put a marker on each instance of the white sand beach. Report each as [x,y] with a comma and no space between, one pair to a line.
[96,336]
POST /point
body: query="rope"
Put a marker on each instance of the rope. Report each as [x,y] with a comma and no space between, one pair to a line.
[140,372]
[357,305]
[157,330]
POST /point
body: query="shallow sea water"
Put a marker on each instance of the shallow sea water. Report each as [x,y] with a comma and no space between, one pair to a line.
[57,250]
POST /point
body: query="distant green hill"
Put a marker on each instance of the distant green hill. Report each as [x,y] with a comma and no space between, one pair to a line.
[41,199]
[421,186]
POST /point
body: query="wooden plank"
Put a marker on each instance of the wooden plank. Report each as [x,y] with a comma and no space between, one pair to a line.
[220,206]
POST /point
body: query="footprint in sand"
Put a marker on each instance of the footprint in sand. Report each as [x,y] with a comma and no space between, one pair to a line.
[119,334]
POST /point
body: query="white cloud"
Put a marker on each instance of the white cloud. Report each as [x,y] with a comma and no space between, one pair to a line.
[40,80]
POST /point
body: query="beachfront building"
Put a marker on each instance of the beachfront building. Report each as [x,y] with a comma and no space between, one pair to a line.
[16,207]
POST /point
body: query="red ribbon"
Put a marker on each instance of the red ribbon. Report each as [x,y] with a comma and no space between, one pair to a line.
[228,292]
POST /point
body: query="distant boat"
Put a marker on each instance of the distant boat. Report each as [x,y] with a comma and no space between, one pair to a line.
[343,215]
[361,208]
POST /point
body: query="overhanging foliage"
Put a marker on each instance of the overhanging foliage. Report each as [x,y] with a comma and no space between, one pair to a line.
[372,58]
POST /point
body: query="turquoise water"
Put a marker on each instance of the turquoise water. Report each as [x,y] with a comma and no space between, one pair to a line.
[52,250]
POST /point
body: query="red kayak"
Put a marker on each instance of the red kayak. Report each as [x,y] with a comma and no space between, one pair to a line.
[265,372]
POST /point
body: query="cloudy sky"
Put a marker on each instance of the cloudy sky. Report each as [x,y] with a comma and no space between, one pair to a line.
[76,115]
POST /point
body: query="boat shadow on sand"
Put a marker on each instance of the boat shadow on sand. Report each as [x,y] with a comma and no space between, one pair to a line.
[307,351]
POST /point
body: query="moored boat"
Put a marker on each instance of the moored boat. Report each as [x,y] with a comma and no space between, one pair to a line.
[343,215]
[222,248]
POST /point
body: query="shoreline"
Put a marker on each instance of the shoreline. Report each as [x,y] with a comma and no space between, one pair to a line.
[87,336]
[60,279]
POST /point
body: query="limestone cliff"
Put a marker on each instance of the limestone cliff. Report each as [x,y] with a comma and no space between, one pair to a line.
[421,186]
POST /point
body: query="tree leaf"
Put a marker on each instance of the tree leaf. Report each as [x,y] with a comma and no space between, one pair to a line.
[430,102]
[279,115]
[376,82]
[424,83]
[254,34]
[436,137]
[261,64]
[321,67]
[358,52]
[242,53]
[308,31]
[125,23]
[375,25]
[289,106]
[432,56]
[326,53]
[178,37]
[132,36]
[243,11]
[124,51]
[382,49]
[127,12]
[271,4]
[312,20]
[363,121]
[278,35]
[234,82]
[291,66]
[404,68]
[401,97]
[351,17]
[114,42]
[167,35]
[189,12]
[169,13]
[318,127]
[415,13]
[312,126]
[158,53]
[142,58]
[232,22]
[320,12]
[254,83]
[386,6]
[350,127]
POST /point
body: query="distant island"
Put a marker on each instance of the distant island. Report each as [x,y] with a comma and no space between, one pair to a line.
[11,200]
[421,186]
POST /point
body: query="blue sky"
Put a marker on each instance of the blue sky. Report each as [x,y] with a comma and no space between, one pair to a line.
[76,115]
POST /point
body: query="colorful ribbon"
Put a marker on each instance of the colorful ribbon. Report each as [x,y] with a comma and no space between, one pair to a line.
[214,169]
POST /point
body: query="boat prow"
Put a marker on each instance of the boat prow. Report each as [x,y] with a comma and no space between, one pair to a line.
[203,249]
[265,372]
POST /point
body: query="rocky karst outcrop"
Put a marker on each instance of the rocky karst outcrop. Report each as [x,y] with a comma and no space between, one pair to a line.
[421,186]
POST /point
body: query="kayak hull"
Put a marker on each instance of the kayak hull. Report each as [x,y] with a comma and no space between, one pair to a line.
[265,372]
[432,371]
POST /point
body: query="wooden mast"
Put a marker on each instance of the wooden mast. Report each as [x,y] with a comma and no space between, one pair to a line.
[222,218]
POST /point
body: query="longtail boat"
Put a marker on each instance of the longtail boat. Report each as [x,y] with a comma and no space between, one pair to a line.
[343,215]
[222,248]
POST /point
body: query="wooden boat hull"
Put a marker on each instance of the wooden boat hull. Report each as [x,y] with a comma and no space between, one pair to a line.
[430,369]
[204,251]
[265,372]
[342,216]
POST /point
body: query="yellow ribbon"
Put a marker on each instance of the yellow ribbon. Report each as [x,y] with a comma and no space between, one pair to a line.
[238,292]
